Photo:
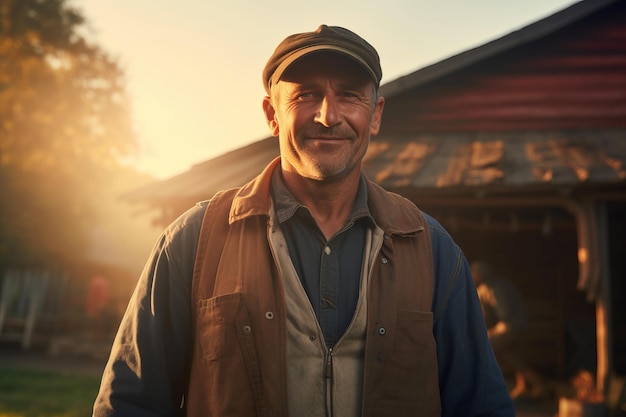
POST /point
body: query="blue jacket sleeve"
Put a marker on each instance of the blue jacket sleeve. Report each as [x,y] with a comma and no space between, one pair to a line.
[470,380]
[146,374]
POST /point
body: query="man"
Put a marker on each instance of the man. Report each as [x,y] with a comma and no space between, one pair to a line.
[310,291]
[507,322]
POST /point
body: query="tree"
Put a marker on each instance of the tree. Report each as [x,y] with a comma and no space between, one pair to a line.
[64,125]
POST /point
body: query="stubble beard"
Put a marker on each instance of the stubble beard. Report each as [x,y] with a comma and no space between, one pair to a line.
[328,166]
[321,161]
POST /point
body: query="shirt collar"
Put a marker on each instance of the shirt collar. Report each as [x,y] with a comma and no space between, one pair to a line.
[286,204]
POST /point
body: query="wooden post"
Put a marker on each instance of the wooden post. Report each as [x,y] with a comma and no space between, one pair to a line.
[604,337]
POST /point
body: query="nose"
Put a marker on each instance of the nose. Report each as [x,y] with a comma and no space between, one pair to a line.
[328,113]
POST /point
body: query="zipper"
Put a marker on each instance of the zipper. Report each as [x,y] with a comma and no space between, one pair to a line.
[328,376]
[328,372]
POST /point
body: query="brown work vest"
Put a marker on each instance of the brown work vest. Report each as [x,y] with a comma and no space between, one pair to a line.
[238,366]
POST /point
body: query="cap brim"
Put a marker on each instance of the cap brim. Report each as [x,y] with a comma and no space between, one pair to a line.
[300,53]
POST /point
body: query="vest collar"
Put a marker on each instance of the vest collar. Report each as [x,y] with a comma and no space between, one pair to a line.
[389,210]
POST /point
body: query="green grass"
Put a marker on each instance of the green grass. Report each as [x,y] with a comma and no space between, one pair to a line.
[30,393]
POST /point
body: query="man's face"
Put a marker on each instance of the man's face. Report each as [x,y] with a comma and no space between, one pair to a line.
[324,110]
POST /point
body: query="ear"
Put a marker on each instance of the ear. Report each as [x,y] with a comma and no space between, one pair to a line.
[377,116]
[270,116]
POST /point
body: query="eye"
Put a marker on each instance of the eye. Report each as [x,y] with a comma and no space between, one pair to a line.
[307,95]
[351,95]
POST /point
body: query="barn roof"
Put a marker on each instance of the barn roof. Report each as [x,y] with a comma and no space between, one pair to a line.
[497,159]
[229,170]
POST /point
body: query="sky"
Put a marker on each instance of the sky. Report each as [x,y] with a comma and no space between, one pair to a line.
[193,67]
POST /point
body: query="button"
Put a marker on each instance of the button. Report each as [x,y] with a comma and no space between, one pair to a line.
[269,315]
[327,250]
[246,329]
[312,338]
[385,261]
[382,331]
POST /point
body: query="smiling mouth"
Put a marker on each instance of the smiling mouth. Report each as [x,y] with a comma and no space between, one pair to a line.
[327,139]
[326,143]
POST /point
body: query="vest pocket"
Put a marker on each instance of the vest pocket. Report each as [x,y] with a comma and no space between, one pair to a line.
[411,367]
[413,328]
[216,325]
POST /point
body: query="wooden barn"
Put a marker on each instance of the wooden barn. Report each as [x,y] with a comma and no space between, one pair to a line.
[518,147]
